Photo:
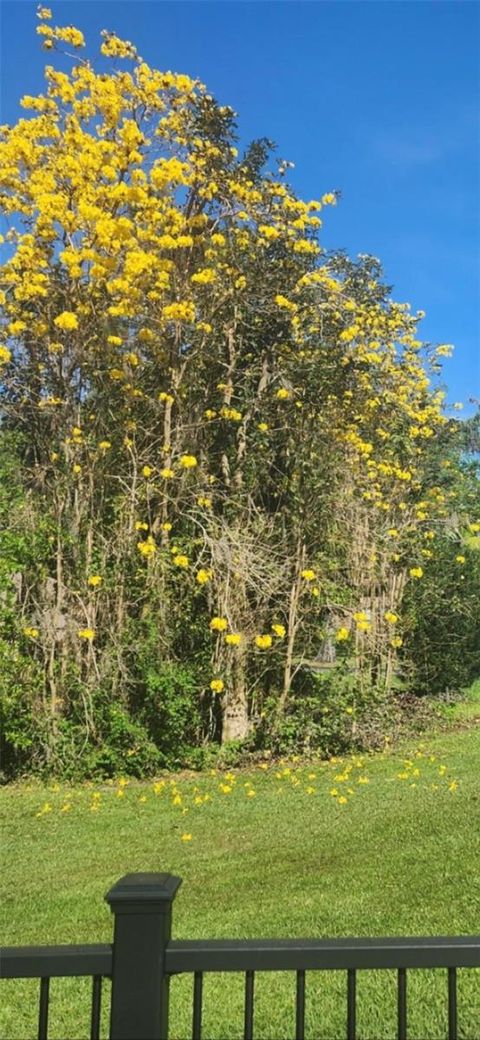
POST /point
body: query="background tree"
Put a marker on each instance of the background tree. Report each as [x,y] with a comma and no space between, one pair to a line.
[225,441]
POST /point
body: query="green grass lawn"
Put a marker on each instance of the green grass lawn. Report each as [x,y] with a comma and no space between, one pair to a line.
[468,707]
[395,851]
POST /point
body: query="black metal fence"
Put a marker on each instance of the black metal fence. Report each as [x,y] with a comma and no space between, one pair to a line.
[142,959]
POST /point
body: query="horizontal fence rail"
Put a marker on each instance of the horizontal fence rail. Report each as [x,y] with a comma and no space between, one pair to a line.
[321,955]
[30,962]
[199,957]
[49,962]
[143,958]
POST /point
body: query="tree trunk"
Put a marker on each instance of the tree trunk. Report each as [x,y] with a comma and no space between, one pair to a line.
[292,628]
[236,724]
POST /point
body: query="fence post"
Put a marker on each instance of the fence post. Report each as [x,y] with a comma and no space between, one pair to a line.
[142,905]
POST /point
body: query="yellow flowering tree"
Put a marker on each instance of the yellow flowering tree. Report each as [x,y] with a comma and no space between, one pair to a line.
[226,432]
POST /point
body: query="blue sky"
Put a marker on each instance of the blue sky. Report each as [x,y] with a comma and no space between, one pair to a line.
[380,100]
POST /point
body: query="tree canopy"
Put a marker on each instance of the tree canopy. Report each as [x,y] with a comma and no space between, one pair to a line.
[225,451]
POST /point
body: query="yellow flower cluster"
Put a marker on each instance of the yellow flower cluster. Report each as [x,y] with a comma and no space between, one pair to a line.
[217,685]
[362,621]
[113,47]
[204,277]
[218,624]
[180,560]
[188,461]
[282,302]
[68,34]
[66,320]
[182,311]
[230,413]
[233,639]
[148,547]
[263,642]
[204,575]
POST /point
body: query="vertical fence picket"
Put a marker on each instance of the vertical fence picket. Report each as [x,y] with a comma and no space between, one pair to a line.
[402,1004]
[300,1007]
[197,1005]
[43,1009]
[96,1007]
[248,1018]
[351,1004]
[452,1004]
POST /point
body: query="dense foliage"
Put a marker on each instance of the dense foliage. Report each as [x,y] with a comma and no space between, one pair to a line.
[223,454]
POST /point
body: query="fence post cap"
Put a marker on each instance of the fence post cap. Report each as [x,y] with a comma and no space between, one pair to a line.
[143,892]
